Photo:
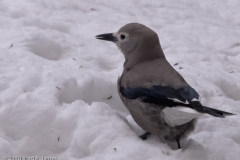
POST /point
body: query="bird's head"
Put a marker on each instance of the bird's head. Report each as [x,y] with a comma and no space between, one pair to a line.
[137,42]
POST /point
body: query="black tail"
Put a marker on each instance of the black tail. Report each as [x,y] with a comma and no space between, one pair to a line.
[217,113]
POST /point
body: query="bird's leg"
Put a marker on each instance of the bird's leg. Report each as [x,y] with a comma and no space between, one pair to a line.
[177,138]
[144,136]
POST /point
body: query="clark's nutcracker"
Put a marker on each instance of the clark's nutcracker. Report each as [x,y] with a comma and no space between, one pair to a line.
[156,95]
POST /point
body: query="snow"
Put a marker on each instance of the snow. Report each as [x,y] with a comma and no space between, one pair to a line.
[58,94]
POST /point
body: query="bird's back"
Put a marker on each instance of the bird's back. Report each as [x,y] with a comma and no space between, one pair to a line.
[151,73]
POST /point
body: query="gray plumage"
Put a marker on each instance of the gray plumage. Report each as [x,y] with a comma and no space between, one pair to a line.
[151,89]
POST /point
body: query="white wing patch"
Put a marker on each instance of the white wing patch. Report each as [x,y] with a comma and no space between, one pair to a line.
[194,99]
[177,100]
[179,115]
[186,102]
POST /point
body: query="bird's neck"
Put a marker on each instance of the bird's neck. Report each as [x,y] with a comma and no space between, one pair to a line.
[142,56]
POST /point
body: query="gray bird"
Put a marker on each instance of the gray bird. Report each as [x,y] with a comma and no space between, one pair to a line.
[156,95]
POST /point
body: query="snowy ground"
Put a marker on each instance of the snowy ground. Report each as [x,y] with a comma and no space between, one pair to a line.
[56,78]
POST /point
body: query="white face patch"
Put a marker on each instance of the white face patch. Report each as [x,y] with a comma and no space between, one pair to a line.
[123,37]
[115,34]
[122,41]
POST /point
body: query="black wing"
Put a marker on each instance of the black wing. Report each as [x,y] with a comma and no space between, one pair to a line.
[170,97]
[165,96]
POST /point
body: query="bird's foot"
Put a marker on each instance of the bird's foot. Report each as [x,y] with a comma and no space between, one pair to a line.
[144,136]
[177,138]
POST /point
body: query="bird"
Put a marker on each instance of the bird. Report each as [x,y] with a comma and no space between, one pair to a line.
[158,98]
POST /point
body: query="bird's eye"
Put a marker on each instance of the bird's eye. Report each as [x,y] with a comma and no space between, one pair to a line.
[122,37]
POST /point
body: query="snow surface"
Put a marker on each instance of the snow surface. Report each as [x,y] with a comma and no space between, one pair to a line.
[58,94]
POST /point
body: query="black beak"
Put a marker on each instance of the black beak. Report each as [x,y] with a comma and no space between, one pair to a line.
[107,37]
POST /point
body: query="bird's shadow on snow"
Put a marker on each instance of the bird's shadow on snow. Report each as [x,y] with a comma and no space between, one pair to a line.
[191,148]
[186,144]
